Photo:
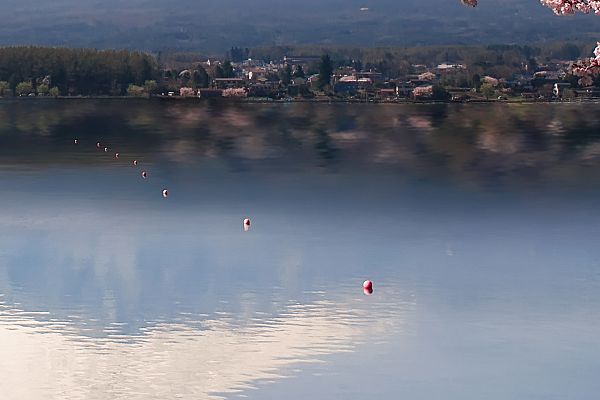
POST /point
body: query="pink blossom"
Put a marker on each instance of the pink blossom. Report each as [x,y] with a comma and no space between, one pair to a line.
[586,69]
[562,7]
[233,92]
[186,92]
[423,91]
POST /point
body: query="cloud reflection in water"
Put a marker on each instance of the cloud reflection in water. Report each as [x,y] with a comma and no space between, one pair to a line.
[52,359]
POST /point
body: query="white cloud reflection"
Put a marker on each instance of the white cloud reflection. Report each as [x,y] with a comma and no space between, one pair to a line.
[44,358]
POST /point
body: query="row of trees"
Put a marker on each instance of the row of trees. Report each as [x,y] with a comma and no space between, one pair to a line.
[501,61]
[73,71]
[26,88]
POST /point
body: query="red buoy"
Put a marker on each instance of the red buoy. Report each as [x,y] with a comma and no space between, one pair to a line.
[368,292]
[368,285]
[144,174]
[247,221]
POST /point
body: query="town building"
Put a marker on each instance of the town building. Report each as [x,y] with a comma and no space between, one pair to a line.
[229,83]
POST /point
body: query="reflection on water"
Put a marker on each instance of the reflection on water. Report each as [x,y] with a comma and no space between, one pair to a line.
[48,358]
[470,144]
[478,225]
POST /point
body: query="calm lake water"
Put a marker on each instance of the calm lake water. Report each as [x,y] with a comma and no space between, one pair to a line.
[478,224]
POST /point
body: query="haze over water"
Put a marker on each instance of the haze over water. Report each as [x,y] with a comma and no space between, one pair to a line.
[478,224]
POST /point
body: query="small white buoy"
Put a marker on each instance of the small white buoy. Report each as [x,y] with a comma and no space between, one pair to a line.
[134,162]
[76,141]
[98,144]
[106,149]
[144,174]
[116,155]
[165,193]
[246,224]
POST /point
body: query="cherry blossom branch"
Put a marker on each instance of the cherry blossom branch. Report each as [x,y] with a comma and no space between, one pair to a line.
[564,7]
[586,69]
[561,7]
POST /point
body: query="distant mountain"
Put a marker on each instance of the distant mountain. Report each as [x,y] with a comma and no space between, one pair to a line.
[215,25]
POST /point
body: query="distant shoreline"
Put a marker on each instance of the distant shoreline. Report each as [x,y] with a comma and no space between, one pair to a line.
[321,100]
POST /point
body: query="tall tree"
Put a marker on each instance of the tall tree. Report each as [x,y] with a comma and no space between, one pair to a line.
[227,69]
[200,77]
[3,87]
[218,72]
[237,54]
[325,71]
[299,72]
[286,74]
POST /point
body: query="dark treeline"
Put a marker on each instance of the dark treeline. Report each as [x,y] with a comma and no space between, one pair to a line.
[497,60]
[63,71]
[434,54]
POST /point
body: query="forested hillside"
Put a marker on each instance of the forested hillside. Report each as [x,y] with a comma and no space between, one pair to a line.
[215,25]
[74,71]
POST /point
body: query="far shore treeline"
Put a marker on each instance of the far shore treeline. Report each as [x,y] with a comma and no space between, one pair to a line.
[46,71]
[66,71]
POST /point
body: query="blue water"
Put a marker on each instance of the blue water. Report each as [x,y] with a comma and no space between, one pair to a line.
[477,224]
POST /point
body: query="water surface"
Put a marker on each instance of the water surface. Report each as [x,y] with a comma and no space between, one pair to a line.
[477,223]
